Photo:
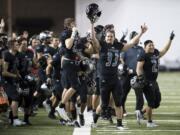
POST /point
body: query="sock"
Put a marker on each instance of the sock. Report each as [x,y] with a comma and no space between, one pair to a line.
[62,105]
[94,110]
[150,121]
[26,117]
[95,117]
[119,122]
[48,101]
[52,110]
[74,114]
[11,117]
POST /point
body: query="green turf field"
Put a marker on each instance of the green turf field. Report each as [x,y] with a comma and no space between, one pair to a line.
[167,116]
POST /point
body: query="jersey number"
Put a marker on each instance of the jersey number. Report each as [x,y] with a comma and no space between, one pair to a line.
[111,61]
[154,66]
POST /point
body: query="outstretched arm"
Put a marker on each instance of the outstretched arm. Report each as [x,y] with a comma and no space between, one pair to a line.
[69,42]
[96,44]
[2,25]
[136,39]
[167,45]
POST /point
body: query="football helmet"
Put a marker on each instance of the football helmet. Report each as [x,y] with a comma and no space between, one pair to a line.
[122,69]
[93,12]
[137,82]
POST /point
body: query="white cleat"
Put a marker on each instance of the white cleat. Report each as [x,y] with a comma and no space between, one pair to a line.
[151,125]
[122,128]
[139,116]
[125,114]
[46,106]
[62,113]
[17,122]
[93,125]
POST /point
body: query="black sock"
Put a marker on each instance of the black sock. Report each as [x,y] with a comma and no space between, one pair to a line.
[94,110]
[142,112]
[119,122]
[78,105]
[150,121]
[48,101]
[95,117]
[15,117]
[74,114]
[11,117]
[26,117]
[52,110]
[62,105]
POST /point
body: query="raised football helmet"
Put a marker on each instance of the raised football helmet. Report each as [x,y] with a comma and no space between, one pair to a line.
[93,12]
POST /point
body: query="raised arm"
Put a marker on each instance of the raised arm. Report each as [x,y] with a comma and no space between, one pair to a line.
[96,44]
[135,40]
[2,25]
[69,42]
[167,45]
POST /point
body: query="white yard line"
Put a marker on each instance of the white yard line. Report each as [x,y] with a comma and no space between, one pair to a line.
[85,130]
[163,94]
[164,107]
[138,130]
[175,121]
[134,120]
[158,113]
[165,101]
[117,132]
[172,97]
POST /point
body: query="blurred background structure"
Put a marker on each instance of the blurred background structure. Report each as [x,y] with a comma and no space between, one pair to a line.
[37,15]
[161,16]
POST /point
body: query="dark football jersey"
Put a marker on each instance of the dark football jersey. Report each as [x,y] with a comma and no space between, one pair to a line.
[151,65]
[72,52]
[50,50]
[1,65]
[65,34]
[56,63]
[13,64]
[1,53]
[42,62]
[25,62]
[109,59]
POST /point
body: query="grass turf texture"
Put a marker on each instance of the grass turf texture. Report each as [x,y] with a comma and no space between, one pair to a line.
[167,116]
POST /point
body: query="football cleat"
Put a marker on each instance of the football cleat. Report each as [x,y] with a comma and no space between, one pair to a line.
[151,125]
[17,122]
[46,106]
[62,113]
[121,128]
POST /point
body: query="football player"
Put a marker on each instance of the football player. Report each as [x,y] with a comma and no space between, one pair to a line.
[148,65]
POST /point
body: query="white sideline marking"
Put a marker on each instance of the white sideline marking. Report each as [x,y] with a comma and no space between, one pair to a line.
[117,132]
[178,121]
[128,121]
[170,101]
[138,130]
[157,113]
[171,97]
[132,106]
[163,94]
[84,130]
